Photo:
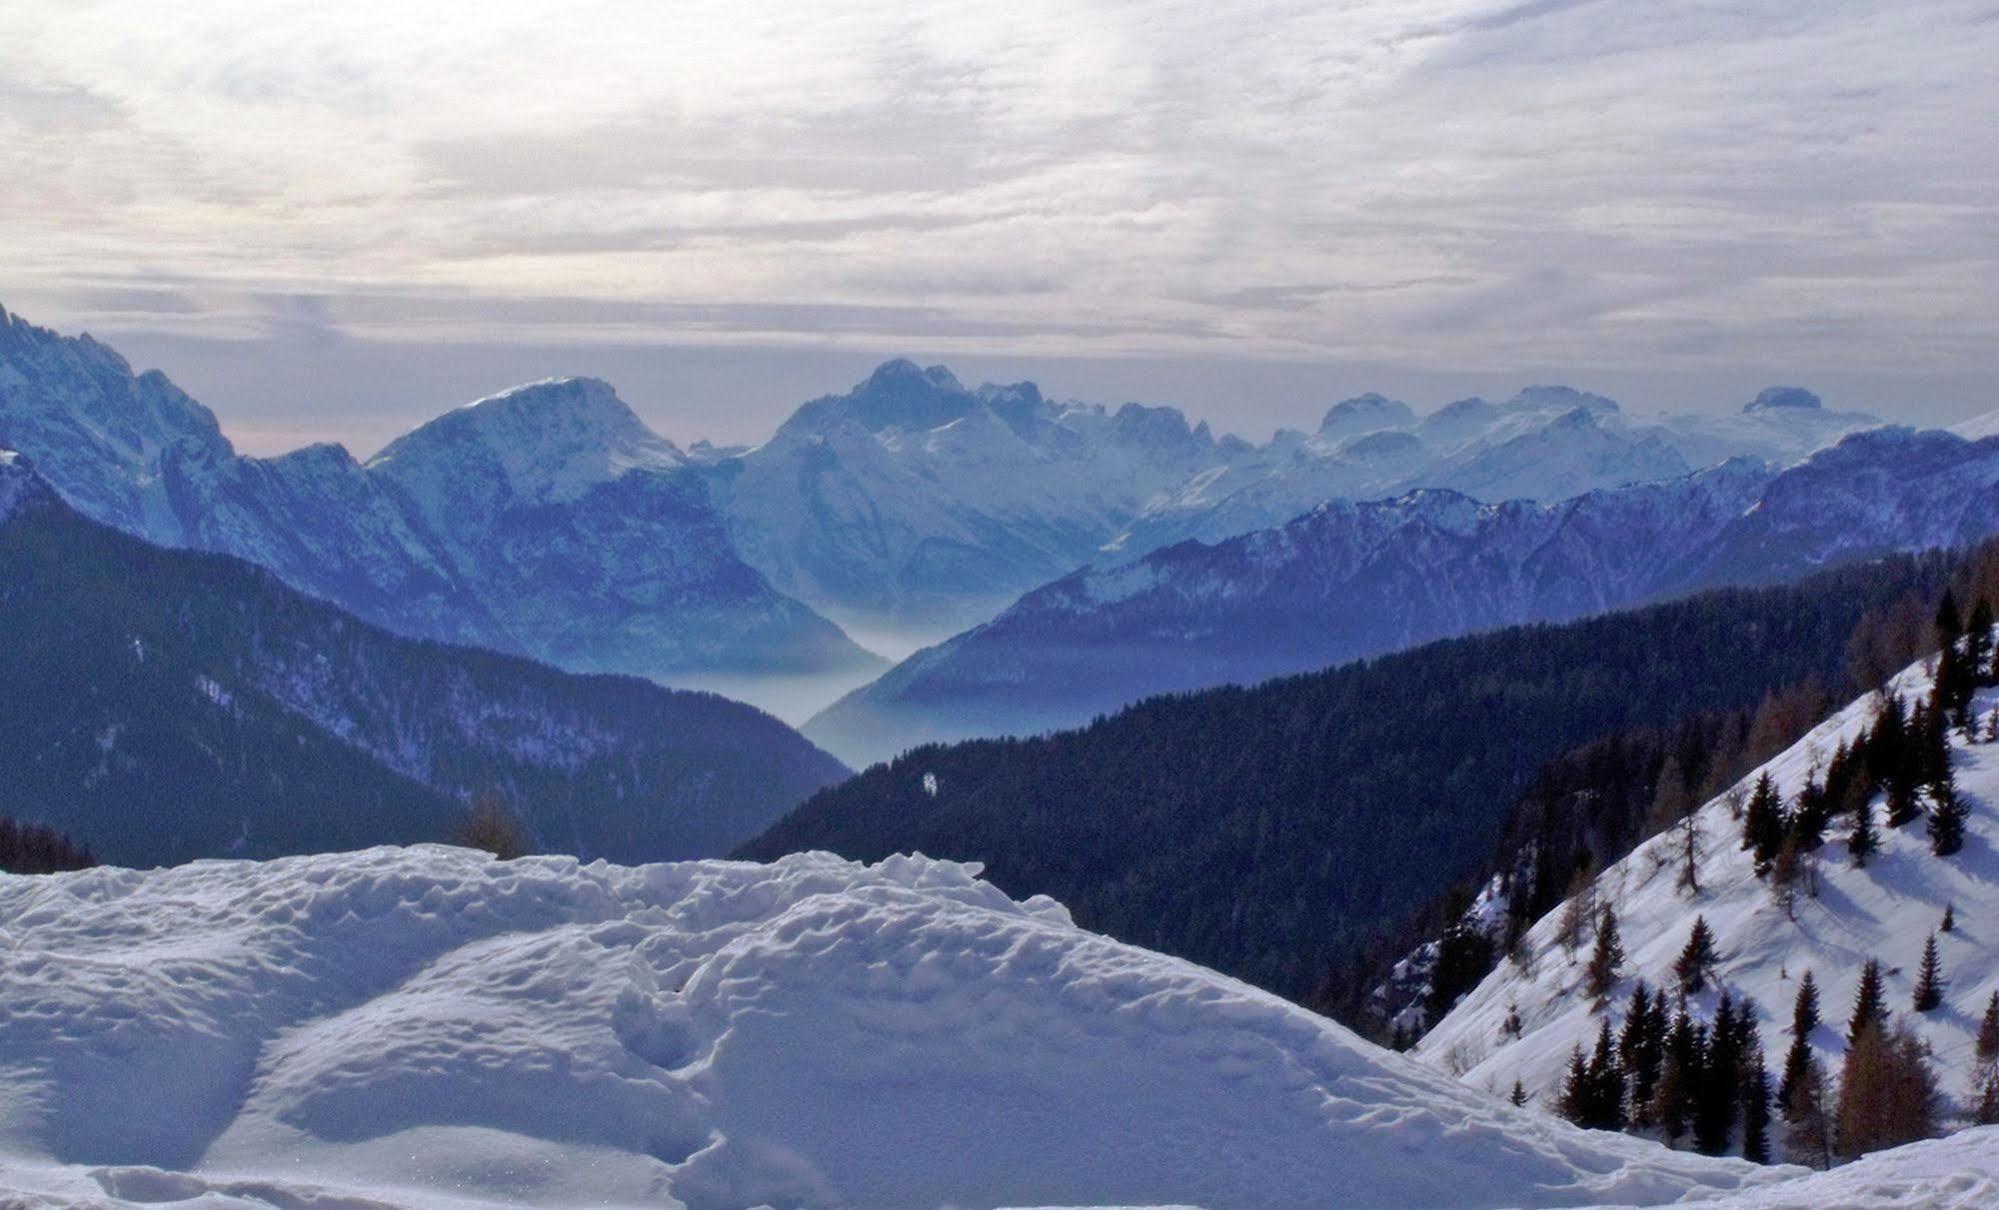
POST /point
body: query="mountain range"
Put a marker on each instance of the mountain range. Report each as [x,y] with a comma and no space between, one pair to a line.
[1352,579]
[545,521]
[163,705]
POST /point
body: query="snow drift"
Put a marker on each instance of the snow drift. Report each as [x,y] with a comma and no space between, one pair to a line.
[428,1026]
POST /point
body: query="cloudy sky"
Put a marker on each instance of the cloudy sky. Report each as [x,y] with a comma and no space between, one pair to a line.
[334,219]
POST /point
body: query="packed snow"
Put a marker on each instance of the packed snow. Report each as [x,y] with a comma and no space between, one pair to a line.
[428,1026]
[1885,910]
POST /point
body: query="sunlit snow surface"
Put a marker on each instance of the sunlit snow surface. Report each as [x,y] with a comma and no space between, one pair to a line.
[426,1027]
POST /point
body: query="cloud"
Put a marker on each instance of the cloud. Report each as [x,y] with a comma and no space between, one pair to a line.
[1431,183]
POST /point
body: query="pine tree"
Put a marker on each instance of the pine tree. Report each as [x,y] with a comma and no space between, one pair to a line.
[1804,1019]
[1978,644]
[1929,983]
[1519,1094]
[1949,918]
[1862,841]
[1870,1004]
[1756,1108]
[1718,1091]
[1987,1049]
[1697,960]
[1763,823]
[1574,1103]
[1607,960]
[1946,820]
[1677,1072]
[1638,1049]
[1606,1083]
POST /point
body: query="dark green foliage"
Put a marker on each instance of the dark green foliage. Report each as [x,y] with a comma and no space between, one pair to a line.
[1870,1002]
[1640,1048]
[1696,962]
[1804,1019]
[1593,1093]
[1277,833]
[1763,824]
[1929,982]
[39,849]
[1519,1094]
[1756,1108]
[1987,1048]
[1606,960]
[1718,1085]
[1862,842]
[1947,815]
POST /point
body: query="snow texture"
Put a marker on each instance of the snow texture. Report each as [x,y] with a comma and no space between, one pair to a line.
[431,1027]
[1885,910]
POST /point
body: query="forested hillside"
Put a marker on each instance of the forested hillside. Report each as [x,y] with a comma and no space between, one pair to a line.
[1272,832]
[161,705]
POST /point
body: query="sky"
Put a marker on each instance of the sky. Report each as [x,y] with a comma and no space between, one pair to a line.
[331,221]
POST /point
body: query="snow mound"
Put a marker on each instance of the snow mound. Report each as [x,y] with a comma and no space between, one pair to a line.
[1956,1173]
[430,1027]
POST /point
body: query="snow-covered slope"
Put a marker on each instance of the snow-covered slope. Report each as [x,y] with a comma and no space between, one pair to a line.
[1885,910]
[546,521]
[1349,580]
[429,1027]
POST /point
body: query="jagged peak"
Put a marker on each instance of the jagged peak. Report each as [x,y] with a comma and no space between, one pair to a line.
[552,439]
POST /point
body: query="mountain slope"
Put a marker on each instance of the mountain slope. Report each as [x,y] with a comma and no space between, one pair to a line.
[1885,911]
[1270,832]
[546,521]
[913,503]
[168,704]
[430,1027]
[1349,580]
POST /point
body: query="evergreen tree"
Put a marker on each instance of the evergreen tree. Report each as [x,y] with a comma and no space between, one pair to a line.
[1804,1019]
[1606,1084]
[1862,842]
[1763,823]
[1870,1004]
[1949,620]
[1639,1049]
[1519,1094]
[1809,818]
[1946,820]
[1929,983]
[1756,1108]
[1697,960]
[1987,1048]
[1978,644]
[1677,1071]
[1949,918]
[1574,1103]
[1607,960]
[1718,1092]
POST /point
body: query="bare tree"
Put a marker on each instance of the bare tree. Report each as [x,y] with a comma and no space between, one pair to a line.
[489,825]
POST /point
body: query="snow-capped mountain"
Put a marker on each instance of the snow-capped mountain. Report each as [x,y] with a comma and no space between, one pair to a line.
[914,503]
[1545,443]
[546,521]
[430,1027]
[1349,580]
[163,705]
[1885,910]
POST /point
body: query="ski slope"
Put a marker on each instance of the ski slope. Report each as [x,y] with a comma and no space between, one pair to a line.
[428,1027]
[1885,910]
